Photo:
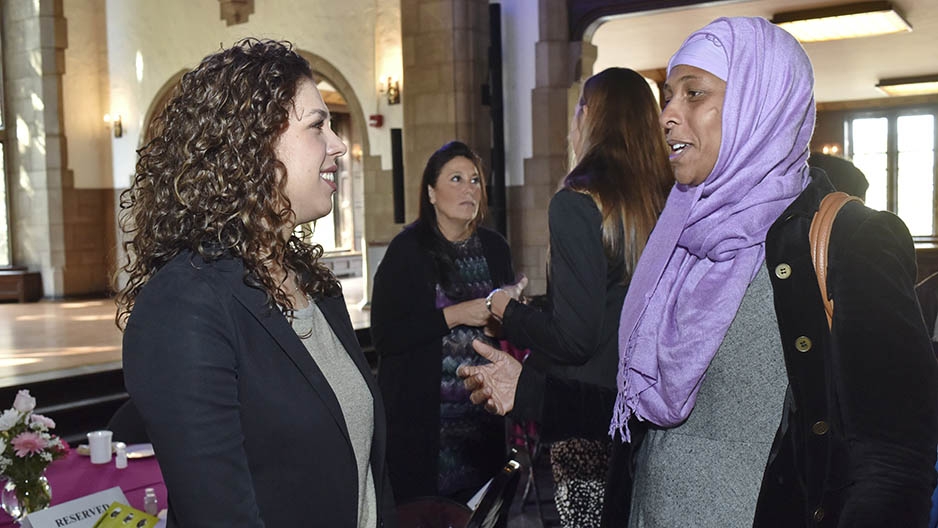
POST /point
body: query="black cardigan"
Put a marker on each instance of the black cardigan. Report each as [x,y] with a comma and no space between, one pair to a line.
[578,337]
[872,380]
[408,331]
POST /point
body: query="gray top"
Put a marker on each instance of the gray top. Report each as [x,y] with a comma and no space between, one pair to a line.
[353,395]
[707,471]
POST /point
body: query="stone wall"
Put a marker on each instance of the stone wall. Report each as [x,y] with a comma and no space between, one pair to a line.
[61,204]
[445,46]
[527,205]
[35,40]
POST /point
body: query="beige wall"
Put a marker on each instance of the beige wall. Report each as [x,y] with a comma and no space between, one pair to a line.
[85,95]
[148,42]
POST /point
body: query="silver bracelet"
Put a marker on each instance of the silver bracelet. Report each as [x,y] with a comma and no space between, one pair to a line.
[488,300]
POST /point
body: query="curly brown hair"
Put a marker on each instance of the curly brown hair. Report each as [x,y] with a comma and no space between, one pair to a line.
[209,181]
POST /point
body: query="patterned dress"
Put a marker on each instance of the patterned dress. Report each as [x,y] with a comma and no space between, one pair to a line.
[472,442]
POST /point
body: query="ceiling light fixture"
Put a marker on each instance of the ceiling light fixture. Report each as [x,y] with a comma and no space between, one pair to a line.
[861,19]
[922,84]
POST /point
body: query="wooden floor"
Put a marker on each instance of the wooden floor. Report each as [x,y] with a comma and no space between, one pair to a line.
[52,339]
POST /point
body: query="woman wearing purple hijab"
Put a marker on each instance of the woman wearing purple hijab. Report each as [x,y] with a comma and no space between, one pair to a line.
[759,413]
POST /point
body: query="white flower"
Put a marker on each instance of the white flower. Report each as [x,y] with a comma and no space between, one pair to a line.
[4,462]
[24,402]
[38,422]
[8,419]
[45,455]
[3,446]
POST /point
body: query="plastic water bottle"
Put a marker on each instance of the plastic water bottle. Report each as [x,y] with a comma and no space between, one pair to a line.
[120,460]
[149,502]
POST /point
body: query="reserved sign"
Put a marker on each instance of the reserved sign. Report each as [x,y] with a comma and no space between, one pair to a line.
[82,512]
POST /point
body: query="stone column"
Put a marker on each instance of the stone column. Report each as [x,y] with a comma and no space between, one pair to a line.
[36,39]
[445,45]
[543,171]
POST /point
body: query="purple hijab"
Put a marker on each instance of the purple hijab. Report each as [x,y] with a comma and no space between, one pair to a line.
[709,242]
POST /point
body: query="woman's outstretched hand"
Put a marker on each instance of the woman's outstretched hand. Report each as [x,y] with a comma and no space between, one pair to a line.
[493,384]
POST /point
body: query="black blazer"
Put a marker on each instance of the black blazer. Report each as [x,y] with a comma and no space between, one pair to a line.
[408,332]
[247,431]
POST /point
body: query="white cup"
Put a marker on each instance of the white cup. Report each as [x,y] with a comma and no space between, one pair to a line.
[99,443]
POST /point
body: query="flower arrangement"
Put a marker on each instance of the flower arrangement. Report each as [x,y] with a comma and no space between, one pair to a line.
[26,449]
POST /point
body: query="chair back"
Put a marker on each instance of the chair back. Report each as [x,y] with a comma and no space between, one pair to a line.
[495,504]
[127,425]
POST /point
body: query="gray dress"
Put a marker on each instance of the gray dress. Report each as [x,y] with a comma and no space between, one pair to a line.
[707,471]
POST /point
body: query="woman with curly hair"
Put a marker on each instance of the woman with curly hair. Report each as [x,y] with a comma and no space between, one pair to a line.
[238,348]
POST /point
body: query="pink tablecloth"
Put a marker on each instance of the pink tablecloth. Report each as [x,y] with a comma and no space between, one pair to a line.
[75,476]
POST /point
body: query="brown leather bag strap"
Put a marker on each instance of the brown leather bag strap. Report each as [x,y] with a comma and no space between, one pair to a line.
[819,237]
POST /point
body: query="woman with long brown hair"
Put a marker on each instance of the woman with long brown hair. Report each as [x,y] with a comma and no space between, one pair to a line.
[599,222]
[238,348]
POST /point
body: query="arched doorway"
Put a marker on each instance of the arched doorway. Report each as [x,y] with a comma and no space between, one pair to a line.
[342,233]
[158,103]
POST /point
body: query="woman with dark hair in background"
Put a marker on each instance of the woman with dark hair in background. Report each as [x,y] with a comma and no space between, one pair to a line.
[599,222]
[427,307]
[238,348]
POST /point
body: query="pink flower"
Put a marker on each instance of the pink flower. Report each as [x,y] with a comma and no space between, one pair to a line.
[24,402]
[62,447]
[25,444]
[45,421]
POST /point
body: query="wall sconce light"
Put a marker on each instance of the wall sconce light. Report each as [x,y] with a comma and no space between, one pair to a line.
[860,19]
[832,149]
[922,84]
[115,124]
[392,89]
[356,152]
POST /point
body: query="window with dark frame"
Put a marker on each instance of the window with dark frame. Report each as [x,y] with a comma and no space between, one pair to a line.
[896,150]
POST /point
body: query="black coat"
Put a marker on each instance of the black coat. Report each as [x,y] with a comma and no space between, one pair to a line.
[857,442]
[247,431]
[408,331]
[860,424]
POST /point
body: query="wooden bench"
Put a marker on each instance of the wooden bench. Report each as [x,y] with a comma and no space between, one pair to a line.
[19,284]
